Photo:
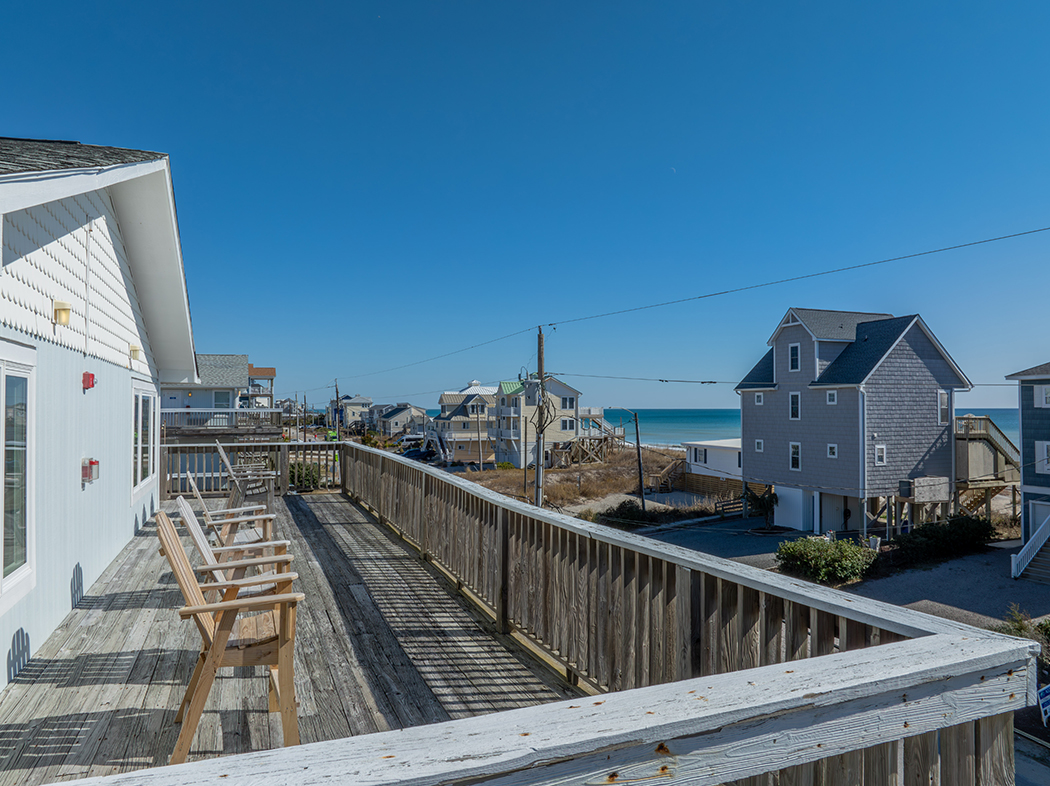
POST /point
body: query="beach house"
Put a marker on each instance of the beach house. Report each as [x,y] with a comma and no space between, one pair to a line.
[462,430]
[849,414]
[1033,402]
[515,413]
[94,317]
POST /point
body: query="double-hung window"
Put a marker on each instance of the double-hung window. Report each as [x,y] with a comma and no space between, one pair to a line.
[568,424]
[568,402]
[833,397]
[943,408]
[1042,458]
[143,448]
[795,453]
[17,393]
[880,455]
[794,363]
[795,405]
[759,399]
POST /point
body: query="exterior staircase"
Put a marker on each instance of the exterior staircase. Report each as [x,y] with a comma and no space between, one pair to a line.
[1039,568]
[1033,561]
[972,500]
[663,482]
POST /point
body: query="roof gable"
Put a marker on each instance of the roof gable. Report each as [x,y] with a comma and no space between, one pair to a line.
[826,325]
[223,371]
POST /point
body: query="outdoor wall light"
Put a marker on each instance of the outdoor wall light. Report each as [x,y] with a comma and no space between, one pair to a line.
[62,310]
[135,351]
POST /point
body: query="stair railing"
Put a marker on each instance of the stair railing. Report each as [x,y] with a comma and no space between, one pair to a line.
[1020,560]
[982,425]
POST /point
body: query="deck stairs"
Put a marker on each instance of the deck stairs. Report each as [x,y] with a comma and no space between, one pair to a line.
[982,427]
[1033,561]
[971,501]
[663,482]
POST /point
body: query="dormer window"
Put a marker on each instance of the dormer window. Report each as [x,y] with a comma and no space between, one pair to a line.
[793,357]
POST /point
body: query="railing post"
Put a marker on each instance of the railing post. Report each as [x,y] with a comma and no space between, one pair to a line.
[424,529]
[282,469]
[502,602]
[165,474]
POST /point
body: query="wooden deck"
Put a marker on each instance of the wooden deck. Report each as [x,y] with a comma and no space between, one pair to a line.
[383,643]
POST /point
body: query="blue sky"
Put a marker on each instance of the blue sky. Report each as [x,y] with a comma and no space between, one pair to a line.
[362,186]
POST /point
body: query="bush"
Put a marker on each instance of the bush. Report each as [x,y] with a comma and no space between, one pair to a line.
[504,465]
[825,560]
[940,540]
[304,476]
[1019,623]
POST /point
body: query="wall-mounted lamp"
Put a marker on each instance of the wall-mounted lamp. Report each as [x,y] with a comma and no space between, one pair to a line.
[135,351]
[62,310]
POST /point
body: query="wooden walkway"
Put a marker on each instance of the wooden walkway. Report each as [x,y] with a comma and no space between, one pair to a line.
[383,643]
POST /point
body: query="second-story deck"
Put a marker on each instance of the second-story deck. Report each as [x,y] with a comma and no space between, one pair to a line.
[381,645]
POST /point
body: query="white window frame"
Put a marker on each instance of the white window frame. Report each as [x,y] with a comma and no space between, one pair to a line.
[880,460]
[791,456]
[141,483]
[797,359]
[568,424]
[832,397]
[794,397]
[942,419]
[833,450]
[1042,458]
[759,399]
[760,446]
[1041,396]
[568,402]
[18,360]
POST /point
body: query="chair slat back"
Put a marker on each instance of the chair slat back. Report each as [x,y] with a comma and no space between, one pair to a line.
[197,493]
[183,572]
[200,540]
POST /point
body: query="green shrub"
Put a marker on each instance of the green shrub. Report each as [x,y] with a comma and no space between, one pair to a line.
[825,560]
[940,540]
[504,465]
[304,476]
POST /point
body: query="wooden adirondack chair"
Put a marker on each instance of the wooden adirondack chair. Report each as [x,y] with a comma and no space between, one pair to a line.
[249,478]
[225,523]
[258,553]
[230,639]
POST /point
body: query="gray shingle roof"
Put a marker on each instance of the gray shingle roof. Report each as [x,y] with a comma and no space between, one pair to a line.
[394,412]
[834,325]
[46,155]
[761,376]
[873,340]
[223,371]
[1042,370]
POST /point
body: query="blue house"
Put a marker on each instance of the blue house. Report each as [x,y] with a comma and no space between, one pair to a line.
[851,414]
[1033,401]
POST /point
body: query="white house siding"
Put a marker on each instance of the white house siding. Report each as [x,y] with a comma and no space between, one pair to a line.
[49,255]
[75,530]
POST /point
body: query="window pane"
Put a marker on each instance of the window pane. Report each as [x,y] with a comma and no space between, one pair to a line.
[144,439]
[135,444]
[16,390]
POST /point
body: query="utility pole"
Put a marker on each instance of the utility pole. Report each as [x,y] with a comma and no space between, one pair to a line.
[477,419]
[638,448]
[541,422]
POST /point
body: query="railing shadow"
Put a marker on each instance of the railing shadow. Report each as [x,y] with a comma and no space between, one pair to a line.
[108,668]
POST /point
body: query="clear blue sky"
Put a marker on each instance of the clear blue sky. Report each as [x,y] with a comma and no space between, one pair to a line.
[365,185]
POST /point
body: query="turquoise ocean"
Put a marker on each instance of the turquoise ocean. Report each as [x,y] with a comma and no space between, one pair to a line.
[672,426]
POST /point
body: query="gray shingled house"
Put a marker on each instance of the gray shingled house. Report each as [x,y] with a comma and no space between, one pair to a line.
[844,407]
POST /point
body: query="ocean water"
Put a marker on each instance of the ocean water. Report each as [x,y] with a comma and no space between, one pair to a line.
[672,426]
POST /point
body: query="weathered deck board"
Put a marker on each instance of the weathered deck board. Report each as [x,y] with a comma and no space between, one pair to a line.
[383,643]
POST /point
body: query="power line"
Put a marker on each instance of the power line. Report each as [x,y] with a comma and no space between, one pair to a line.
[703,297]
[643,379]
[799,278]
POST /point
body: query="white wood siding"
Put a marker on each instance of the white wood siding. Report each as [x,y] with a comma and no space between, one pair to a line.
[49,254]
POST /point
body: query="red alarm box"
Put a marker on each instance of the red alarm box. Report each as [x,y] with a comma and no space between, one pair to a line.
[89,380]
[88,470]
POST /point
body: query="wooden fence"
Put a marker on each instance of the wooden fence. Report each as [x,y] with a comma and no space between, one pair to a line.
[302,466]
[741,676]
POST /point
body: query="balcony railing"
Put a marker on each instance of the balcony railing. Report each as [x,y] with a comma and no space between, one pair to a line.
[739,672]
[219,418]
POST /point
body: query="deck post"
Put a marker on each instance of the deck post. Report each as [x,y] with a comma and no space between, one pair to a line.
[165,473]
[502,602]
[282,469]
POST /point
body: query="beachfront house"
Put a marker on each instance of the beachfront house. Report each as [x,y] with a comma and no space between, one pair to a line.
[1033,402]
[462,432]
[349,411]
[260,387]
[94,317]
[404,418]
[514,433]
[849,414]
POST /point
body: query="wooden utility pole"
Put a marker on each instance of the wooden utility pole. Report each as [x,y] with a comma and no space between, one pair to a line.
[638,448]
[541,421]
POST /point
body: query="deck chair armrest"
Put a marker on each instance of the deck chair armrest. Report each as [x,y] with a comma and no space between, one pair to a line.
[243,519]
[258,545]
[260,579]
[228,511]
[243,604]
[277,559]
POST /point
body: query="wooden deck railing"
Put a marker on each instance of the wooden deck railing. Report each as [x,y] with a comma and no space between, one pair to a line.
[302,466]
[741,674]
[219,418]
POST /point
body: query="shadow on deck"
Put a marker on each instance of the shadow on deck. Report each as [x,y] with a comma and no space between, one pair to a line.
[382,643]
